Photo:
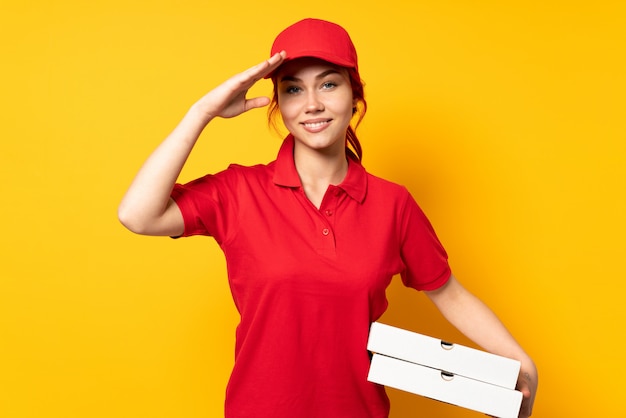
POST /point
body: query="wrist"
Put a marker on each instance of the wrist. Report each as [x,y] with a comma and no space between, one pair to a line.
[199,113]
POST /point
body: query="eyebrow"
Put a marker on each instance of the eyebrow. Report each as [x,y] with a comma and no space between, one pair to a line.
[317,77]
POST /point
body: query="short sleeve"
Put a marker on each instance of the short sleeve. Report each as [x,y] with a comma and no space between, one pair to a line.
[425,259]
[208,204]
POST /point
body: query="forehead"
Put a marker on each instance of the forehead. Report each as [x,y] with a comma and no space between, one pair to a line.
[301,67]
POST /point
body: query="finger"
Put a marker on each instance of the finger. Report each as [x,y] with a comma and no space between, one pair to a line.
[256,102]
[277,59]
[527,404]
[262,69]
[524,387]
[526,408]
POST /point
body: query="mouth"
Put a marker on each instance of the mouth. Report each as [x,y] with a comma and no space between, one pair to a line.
[316,125]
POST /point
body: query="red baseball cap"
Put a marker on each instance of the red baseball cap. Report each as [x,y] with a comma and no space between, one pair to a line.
[318,39]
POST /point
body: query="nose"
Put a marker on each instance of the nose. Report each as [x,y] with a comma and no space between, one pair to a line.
[313,103]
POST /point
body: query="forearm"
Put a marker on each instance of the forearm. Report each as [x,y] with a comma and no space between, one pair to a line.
[147,208]
[476,320]
[148,196]
[480,324]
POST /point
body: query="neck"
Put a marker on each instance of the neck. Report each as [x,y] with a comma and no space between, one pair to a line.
[318,170]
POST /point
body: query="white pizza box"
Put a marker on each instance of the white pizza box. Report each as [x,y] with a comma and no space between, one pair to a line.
[446,387]
[437,354]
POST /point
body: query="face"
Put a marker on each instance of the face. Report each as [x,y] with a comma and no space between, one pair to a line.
[315,101]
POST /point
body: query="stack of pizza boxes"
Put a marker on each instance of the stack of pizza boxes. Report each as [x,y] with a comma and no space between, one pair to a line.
[451,373]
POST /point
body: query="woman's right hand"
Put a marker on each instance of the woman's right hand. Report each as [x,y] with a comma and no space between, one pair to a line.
[147,207]
[229,98]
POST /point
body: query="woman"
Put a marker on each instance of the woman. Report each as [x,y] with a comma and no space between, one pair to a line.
[311,240]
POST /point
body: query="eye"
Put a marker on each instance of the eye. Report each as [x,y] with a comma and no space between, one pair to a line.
[329,85]
[293,90]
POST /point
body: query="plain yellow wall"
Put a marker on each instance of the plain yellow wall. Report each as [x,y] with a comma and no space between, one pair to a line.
[504,119]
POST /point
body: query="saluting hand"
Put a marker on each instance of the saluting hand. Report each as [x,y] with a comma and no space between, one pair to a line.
[229,98]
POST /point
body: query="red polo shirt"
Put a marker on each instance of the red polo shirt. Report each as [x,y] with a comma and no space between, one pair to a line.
[308,282]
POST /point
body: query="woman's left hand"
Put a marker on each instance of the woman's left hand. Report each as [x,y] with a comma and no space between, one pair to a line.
[527,383]
[474,319]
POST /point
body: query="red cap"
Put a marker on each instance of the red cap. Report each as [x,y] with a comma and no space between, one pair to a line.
[318,39]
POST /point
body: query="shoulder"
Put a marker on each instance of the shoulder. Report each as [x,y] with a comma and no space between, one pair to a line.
[244,173]
[251,170]
[389,188]
[228,180]
[393,196]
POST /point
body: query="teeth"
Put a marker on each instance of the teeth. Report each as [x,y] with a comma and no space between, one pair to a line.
[315,124]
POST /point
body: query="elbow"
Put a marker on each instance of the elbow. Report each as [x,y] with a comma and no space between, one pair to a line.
[131,221]
[144,221]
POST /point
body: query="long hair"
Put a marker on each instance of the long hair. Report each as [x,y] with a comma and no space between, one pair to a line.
[353,145]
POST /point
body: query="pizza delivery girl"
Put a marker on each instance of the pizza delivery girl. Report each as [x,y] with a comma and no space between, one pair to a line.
[311,240]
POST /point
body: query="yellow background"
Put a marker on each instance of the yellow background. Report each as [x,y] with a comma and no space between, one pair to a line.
[504,119]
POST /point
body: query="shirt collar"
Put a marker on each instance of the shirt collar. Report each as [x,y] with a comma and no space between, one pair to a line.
[285,174]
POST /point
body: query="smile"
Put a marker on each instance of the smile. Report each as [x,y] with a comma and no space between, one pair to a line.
[316,124]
